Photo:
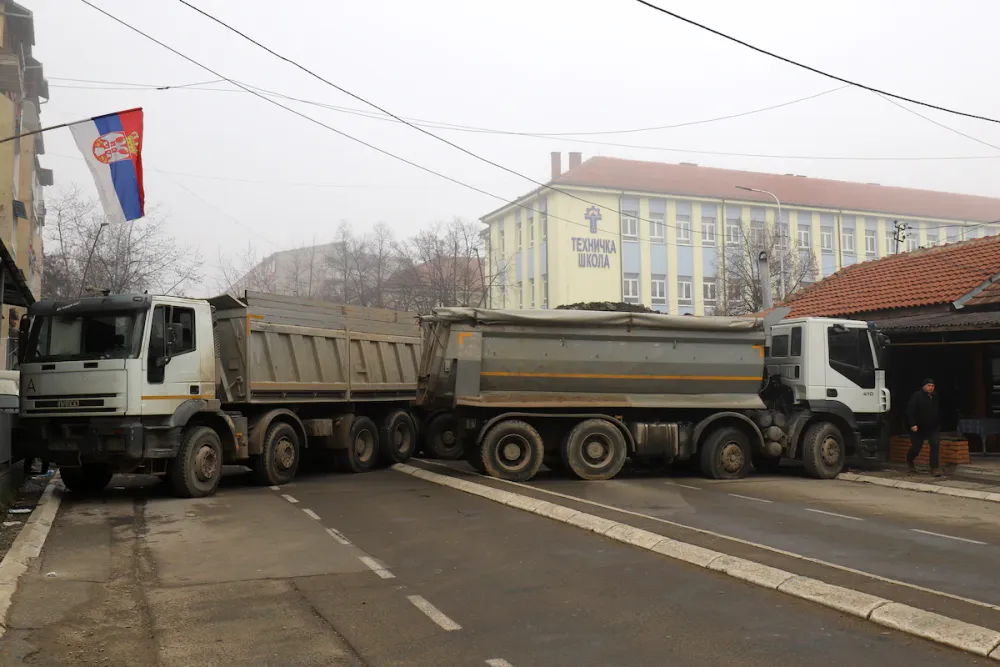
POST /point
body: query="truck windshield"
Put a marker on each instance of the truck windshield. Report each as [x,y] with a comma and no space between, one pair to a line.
[100,335]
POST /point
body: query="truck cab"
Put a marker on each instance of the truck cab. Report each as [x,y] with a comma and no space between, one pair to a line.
[833,366]
[109,383]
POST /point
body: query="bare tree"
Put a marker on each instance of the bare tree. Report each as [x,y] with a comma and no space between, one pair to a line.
[742,274]
[247,272]
[135,256]
[443,266]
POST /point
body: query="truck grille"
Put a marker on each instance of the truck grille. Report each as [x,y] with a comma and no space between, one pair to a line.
[55,404]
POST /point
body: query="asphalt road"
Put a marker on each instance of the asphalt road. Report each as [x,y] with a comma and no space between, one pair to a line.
[531,591]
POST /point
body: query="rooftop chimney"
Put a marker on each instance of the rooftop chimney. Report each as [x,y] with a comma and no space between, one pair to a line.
[575,159]
[556,165]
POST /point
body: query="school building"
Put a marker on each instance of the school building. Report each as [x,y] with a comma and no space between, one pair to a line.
[656,233]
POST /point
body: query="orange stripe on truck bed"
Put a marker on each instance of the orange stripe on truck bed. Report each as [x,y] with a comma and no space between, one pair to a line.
[603,376]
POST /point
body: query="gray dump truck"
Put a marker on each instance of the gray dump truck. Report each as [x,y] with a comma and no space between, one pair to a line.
[584,391]
[135,383]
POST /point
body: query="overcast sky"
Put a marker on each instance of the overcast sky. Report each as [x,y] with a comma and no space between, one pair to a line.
[228,167]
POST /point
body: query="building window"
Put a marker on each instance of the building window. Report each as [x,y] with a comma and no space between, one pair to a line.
[531,232]
[805,237]
[545,291]
[531,292]
[630,288]
[890,243]
[501,237]
[953,234]
[657,229]
[545,227]
[912,240]
[658,290]
[932,239]
[709,290]
[684,291]
[826,238]
[707,231]
[757,233]
[684,229]
[630,224]
[781,231]
[520,295]
[847,240]
[732,232]
[517,234]
[871,242]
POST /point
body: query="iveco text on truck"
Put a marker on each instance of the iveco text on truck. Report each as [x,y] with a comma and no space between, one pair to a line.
[584,391]
[178,387]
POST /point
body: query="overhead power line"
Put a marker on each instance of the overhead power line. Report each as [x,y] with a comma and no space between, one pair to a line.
[567,136]
[809,68]
[136,30]
[934,122]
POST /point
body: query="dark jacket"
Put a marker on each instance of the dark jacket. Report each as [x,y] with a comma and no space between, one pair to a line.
[924,411]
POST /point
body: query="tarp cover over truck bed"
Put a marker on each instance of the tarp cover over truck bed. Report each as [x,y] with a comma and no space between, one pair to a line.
[594,318]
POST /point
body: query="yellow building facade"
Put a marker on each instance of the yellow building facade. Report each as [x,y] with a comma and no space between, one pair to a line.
[584,242]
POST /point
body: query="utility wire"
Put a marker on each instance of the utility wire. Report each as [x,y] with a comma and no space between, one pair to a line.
[810,68]
[125,24]
[568,136]
[934,122]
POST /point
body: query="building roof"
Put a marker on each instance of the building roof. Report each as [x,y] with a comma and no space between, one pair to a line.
[941,321]
[924,277]
[691,180]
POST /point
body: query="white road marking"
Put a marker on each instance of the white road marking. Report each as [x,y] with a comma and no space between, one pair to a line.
[737,540]
[377,567]
[290,499]
[759,500]
[950,537]
[840,516]
[275,488]
[312,514]
[683,486]
[498,662]
[337,535]
[433,613]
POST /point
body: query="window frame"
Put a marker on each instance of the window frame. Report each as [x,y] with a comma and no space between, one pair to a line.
[630,280]
[807,233]
[630,225]
[657,228]
[708,225]
[684,286]
[871,235]
[847,240]
[683,230]
[658,283]
[709,291]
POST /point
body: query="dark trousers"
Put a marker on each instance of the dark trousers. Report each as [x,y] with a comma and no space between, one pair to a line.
[933,437]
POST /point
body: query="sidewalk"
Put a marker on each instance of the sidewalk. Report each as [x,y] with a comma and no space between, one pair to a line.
[139,578]
[982,475]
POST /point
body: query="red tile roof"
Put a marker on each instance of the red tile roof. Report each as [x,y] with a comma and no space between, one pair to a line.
[988,297]
[925,277]
[694,181]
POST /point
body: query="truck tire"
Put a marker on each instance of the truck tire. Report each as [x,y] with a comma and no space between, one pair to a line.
[474,456]
[397,438]
[823,450]
[441,440]
[725,454]
[512,450]
[91,478]
[594,449]
[196,471]
[279,461]
[362,451]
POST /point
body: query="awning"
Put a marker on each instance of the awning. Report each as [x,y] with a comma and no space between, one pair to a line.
[949,321]
[15,288]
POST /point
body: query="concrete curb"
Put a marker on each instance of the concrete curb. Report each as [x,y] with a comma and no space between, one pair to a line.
[910,620]
[918,486]
[27,545]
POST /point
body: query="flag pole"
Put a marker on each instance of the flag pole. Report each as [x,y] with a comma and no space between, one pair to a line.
[56,127]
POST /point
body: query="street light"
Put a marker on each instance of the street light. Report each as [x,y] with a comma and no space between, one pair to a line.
[781,253]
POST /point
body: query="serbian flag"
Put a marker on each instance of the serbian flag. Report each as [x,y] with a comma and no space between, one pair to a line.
[112,147]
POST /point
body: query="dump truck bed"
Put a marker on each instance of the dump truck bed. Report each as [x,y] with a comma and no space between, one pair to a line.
[280,349]
[574,359]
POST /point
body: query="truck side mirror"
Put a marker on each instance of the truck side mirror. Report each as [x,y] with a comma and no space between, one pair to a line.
[175,333]
[23,329]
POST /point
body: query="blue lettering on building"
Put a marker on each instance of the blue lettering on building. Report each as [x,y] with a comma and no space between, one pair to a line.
[593,253]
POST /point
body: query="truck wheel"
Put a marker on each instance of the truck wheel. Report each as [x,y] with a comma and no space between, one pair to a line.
[361,453]
[512,450]
[198,468]
[397,437]
[91,478]
[766,464]
[279,461]
[823,451]
[595,449]
[725,454]
[441,441]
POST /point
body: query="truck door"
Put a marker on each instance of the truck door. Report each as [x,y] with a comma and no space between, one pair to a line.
[850,371]
[171,367]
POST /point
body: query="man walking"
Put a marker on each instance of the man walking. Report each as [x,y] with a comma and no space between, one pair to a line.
[923,414]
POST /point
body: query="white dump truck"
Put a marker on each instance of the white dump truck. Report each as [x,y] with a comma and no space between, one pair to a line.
[134,383]
[584,391]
